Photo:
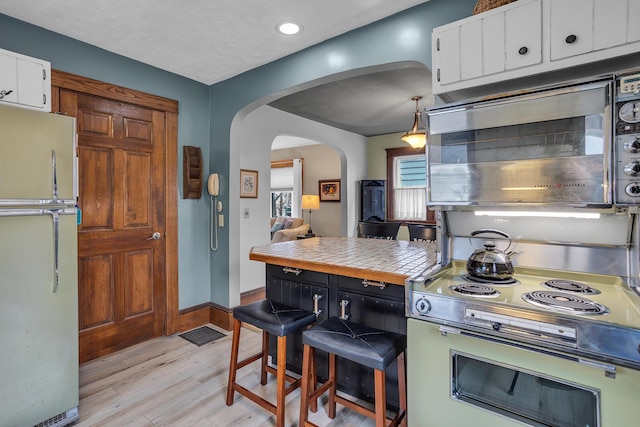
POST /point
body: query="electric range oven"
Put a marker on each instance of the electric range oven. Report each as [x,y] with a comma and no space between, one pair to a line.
[555,344]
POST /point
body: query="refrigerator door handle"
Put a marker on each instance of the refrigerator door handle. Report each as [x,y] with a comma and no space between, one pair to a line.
[56,270]
[54,171]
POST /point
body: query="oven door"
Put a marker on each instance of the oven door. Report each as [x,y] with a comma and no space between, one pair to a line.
[461,380]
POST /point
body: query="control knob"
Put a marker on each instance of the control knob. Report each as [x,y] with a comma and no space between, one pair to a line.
[423,306]
[633,189]
[632,144]
[632,168]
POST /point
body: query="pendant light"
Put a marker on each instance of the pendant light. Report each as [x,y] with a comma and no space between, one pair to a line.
[416,137]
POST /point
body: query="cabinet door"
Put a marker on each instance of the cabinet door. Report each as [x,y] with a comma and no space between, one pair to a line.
[571,28]
[31,78]
[378,313]
[523,35]
[471,50]
[609,23]
[448,53]
[28,80]
[493,48]
[8,78]
[633,27]
[298,295]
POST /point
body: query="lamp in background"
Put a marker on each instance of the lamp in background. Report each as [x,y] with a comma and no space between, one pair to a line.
[416,137]
[312,203]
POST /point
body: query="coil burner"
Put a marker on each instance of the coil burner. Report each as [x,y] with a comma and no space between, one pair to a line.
[564,302]
[474,290]
[570,286]
[497,282]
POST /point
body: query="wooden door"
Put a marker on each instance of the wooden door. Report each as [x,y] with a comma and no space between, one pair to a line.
[122,294]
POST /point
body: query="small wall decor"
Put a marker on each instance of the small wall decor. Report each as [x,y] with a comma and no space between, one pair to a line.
[330,190]
[191,172]
[248,183]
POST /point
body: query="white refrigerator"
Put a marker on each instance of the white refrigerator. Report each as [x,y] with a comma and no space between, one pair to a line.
[38,269]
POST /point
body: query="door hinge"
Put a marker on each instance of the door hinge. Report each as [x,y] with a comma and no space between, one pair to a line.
[438,44]
[438,75]
[44,74]
[44,99]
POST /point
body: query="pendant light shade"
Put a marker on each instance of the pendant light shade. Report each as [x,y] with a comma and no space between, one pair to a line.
[416,137]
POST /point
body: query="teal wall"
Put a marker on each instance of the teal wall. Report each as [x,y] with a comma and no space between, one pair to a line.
[206,113]
[401,38]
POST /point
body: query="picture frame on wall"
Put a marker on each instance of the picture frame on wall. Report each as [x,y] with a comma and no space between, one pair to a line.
[248,183]
[329,190]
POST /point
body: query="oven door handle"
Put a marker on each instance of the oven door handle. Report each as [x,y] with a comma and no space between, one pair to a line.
[609,370]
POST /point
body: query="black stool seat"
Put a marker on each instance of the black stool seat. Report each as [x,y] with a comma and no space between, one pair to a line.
[367,346]
[373,348]
[273,317]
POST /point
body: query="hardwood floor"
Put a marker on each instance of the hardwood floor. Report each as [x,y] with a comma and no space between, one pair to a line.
[170,382]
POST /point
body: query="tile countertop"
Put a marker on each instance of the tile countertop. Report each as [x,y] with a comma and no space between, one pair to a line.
[389,261]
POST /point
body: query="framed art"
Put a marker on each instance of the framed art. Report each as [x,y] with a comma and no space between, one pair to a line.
[248,183]
[330,190]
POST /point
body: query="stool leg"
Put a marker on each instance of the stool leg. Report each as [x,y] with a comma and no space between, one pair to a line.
[306,390]
[332,390]
[281,384]
[402,387]
[313,379]
[233,364]
[380,398]
[265,357]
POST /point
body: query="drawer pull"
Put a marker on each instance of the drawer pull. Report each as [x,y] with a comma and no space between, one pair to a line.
[366,283]
[316,309]
[343,309]
[295,271]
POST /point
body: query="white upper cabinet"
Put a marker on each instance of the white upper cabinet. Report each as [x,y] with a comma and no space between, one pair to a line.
[502,39]
[529,37]
[25,81]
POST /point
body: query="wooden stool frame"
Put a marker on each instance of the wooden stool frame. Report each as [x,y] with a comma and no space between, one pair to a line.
[280,372]
[310,393]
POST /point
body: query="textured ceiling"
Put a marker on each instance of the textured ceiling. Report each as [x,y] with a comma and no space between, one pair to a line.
[205,40]
[213,40]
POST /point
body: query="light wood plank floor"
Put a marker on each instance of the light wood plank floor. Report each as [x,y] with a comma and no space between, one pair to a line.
[170,382]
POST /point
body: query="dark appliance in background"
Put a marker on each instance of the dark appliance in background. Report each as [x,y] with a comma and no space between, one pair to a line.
[557,343]
[373,198]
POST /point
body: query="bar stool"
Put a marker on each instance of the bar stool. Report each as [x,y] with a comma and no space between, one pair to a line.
[272,318]
[367,346]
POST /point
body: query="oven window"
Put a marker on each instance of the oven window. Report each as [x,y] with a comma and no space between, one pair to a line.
[522,395]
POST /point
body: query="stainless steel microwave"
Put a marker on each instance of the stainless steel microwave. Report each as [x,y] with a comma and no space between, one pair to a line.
[561,146]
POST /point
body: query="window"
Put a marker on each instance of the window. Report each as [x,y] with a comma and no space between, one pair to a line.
[281,203]
[407,185]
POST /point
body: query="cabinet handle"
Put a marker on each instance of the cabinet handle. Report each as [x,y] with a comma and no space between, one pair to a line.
[316,309]
[571,39]
[523,50]
[343,309]
[4,93]
[366,283]
[295,271]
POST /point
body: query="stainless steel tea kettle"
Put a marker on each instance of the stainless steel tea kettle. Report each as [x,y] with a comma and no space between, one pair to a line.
[490,263]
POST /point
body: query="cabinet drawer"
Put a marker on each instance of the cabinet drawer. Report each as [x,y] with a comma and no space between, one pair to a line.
[390,291]
[297,274]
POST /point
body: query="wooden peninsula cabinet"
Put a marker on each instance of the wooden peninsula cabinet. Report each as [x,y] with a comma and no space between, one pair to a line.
[354,278]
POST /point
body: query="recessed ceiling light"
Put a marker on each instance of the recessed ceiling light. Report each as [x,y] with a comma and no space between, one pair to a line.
[289,28]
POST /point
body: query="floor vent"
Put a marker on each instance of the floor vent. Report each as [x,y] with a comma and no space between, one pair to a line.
[202,335]
[61,419]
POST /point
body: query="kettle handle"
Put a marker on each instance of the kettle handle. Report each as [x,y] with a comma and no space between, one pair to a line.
[492,231]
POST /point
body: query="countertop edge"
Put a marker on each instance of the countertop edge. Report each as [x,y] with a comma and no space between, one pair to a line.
[378,276]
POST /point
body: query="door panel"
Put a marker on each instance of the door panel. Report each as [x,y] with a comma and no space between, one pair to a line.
[121,166]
